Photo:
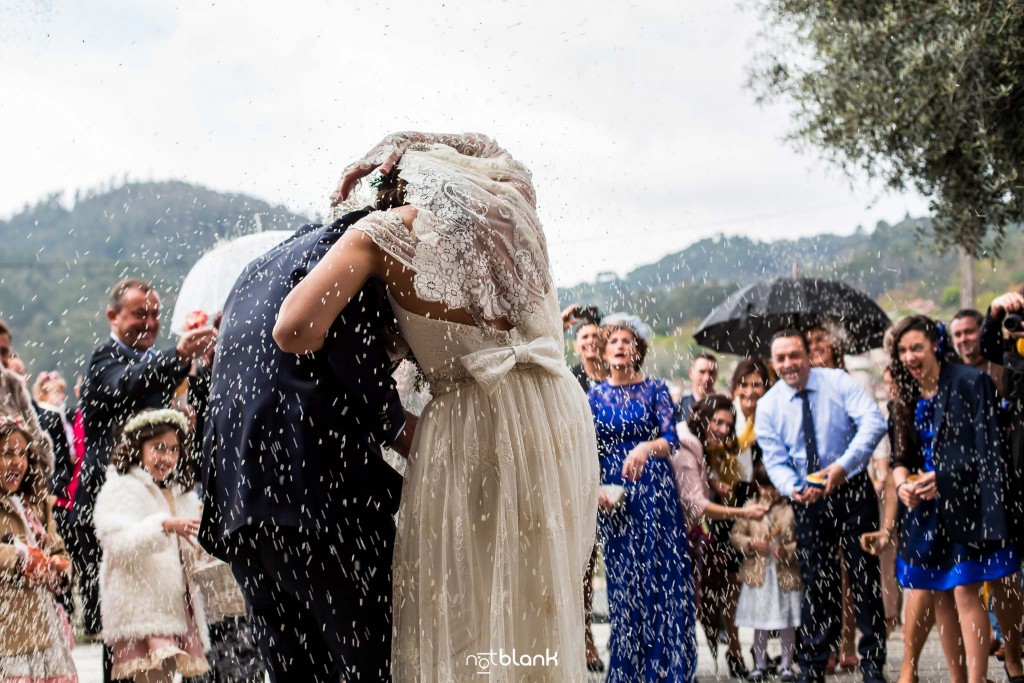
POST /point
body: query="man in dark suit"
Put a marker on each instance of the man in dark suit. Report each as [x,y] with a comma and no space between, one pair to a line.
[703,376]
[125,375]
[297,496]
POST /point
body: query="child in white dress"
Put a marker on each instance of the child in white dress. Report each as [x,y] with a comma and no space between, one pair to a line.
[147,517]
[772,589]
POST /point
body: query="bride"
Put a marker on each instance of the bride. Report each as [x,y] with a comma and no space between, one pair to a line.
[499,504]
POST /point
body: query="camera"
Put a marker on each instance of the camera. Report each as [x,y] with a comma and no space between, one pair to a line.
[1013,322]
[590,314]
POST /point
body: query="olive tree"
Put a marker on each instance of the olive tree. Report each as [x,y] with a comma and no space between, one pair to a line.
[928,95]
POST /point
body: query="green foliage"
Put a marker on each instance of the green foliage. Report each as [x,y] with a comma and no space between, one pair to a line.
[57,264]
[921,94]
[950,296]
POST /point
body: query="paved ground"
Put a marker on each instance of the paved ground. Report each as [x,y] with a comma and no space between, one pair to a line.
[932,670]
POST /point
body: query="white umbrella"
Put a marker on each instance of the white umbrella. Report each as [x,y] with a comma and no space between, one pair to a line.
[207,285]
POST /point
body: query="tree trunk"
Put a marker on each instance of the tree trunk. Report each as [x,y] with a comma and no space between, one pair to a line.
[966,279]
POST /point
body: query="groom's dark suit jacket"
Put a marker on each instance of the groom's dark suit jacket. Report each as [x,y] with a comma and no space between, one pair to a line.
[295,440]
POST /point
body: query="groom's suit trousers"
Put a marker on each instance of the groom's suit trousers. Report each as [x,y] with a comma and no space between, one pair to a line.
[320,601]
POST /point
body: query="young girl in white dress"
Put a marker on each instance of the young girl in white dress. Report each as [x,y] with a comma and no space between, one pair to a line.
[146,518]
[772,589]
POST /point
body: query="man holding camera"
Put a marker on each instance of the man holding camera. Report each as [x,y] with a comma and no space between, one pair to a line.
[1007,311]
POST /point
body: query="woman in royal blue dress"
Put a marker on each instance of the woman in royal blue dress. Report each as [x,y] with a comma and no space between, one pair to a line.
[950,477]
[650,584]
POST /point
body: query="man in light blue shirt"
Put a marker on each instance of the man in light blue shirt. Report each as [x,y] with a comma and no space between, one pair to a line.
[819,421]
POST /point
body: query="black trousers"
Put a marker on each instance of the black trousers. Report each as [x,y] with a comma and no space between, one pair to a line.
[320,601]
[838,521]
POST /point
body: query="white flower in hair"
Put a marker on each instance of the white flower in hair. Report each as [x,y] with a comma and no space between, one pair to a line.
[152,418]
[642,329]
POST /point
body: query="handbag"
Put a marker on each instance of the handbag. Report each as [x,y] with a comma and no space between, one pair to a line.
[221,592]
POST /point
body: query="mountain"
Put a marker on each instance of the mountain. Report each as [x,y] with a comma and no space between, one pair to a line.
[893,264]
[57,264]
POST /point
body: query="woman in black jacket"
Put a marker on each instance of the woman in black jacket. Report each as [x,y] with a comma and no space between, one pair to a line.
[950,475]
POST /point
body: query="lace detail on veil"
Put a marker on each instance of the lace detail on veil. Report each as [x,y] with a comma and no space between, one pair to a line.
[476,243]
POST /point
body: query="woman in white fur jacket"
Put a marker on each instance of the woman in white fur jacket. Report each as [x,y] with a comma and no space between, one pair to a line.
[147,518]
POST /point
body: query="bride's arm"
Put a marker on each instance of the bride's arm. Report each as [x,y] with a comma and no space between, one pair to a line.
[310,309]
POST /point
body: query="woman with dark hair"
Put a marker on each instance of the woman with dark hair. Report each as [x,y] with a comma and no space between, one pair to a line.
[34,566]
[949,471]
[643,529]
[713,426]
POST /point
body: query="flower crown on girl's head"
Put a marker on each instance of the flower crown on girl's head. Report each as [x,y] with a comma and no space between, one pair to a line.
[13,423]
[152,418]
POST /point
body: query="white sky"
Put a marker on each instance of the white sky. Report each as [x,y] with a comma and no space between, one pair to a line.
[633,116]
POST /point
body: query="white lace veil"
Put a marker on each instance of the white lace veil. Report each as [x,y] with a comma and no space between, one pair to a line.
[476,243]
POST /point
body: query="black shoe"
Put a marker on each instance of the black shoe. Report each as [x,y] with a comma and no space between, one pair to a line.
[757,676]
[595,666]
[1012,679]
[787,675]
[737,667]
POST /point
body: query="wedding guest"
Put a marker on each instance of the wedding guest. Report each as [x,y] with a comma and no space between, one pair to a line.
[965,333]
[37,639]
[827,342]
[591,370]
[818,429]
[587,345]
[713,425]
[703,376]
[750,381]
[772,592]
[48,393]
[954,532]
[126,374]
[643,530]
[147,519]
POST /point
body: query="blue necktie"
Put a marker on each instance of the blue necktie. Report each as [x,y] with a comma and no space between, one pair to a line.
[810,440]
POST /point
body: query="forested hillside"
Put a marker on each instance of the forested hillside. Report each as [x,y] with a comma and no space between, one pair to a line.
[57,263]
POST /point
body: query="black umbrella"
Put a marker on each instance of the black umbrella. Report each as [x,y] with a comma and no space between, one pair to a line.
[744,323]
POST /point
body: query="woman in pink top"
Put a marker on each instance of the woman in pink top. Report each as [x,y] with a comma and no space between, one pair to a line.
[714,421]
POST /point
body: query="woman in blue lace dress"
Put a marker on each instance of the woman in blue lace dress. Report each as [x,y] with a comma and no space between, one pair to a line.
[950,477]
[650,585]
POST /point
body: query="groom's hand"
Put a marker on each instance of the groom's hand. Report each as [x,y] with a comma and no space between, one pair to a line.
[403,444]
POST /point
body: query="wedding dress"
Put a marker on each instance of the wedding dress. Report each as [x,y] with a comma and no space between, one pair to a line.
[499,505]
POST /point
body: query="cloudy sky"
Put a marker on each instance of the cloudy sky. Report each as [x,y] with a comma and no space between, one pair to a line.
[633,116]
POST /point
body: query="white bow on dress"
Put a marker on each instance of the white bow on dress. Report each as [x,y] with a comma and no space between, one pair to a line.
[489,366]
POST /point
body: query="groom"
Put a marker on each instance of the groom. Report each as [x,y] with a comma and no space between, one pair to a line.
[297,497]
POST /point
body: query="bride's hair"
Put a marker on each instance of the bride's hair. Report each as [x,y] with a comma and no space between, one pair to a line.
[390,190]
